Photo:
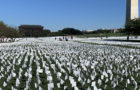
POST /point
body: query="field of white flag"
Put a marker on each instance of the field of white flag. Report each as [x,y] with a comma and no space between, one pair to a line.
[49,64]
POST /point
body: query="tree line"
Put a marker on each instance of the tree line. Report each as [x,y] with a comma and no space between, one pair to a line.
[7,31]
[11,32]
[63,32]
[131,28]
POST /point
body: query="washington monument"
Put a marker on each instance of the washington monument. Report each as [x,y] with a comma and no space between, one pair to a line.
[132,9]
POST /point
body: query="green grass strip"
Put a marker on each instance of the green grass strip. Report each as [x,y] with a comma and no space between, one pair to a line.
[117,45]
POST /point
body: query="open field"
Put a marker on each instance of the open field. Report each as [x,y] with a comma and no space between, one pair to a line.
[48,64]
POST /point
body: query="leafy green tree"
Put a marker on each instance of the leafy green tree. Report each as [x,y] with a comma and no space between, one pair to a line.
[132,27]
[71,31]
[46,32]
[7,31]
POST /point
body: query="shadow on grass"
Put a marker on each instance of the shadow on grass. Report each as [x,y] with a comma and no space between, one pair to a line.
[122,40]
[116,45]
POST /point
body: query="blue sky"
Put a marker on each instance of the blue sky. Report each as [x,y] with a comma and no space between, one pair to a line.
[58,14]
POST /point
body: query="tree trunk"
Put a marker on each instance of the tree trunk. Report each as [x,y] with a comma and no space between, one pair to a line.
[128,37]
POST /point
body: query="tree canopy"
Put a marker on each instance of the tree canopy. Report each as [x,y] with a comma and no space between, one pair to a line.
[71,31]
[7,31]
[133,27]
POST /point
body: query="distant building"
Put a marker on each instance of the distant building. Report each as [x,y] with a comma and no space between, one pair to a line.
[31,30]
[115,30]
[89,31]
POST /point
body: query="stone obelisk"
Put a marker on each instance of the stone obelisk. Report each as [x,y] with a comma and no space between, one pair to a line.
[132,11]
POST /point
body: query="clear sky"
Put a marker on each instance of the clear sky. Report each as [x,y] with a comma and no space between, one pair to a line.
[58,14]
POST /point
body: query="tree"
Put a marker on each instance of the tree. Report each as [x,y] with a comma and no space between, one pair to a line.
[132,27]
[71,31]
[7,31]
[46,32]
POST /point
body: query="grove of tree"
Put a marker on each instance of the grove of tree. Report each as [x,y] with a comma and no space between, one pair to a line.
[132,27]
[8,31]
